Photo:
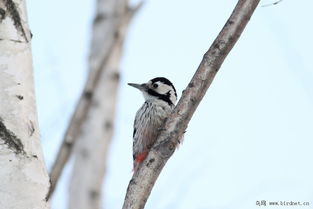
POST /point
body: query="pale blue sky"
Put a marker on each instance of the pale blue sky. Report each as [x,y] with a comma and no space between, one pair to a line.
[251,137]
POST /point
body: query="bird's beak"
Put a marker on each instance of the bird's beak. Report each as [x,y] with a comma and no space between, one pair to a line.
[141,87]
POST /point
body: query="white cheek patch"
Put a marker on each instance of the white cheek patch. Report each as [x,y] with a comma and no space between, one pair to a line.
[162,89]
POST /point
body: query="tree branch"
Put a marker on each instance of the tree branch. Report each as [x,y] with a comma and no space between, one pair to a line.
[92,144]
[272,4]
[143,180]
[111,18]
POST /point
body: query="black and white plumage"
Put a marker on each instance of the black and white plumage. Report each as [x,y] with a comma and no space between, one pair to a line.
[160,98]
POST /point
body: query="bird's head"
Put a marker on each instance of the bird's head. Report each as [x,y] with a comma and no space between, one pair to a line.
[158,89]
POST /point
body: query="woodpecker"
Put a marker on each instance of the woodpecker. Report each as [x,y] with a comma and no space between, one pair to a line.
[160,98]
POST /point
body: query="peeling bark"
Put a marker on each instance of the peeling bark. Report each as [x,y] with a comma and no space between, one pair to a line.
[143,180]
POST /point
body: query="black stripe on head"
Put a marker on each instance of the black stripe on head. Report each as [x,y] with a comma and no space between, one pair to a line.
[165,81]
[164,97]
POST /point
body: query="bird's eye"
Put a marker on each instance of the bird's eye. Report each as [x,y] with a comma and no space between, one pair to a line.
[155,85]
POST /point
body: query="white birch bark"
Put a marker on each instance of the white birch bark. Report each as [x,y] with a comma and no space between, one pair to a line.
[92,144]
[24,179]
[105,34]
[91,149]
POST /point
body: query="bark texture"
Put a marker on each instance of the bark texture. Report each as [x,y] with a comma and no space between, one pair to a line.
[92,145]
[24,179]
[101,47]
[142,182]
[110,24]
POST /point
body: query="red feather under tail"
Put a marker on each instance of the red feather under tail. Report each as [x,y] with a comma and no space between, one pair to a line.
[139,159]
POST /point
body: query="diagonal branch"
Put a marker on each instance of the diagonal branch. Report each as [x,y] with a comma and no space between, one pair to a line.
[108,25]
[92,144]
[142,182]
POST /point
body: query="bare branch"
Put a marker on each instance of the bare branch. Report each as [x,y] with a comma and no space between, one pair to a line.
[272,4]
[92,144]
[109,20]
[142,182]
[133,10]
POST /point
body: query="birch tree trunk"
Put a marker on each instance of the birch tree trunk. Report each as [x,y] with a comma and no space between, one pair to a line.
[24,179]
[102,44]
[92,145]
[108,21]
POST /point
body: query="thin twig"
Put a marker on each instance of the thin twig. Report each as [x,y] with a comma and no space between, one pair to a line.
[272,4]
